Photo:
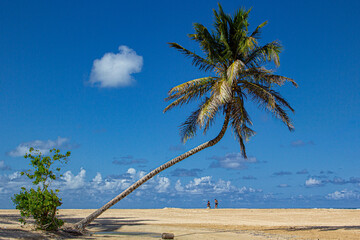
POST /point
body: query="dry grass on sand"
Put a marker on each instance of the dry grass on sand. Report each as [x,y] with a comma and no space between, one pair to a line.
[200,224]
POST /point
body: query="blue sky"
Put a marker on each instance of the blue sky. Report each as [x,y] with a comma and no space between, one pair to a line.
[56,90]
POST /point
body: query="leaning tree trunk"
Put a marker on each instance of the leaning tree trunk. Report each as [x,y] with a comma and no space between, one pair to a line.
[80,226]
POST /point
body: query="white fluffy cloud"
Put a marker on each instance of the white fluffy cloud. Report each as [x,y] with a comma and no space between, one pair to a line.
[72,181]
[178,186]
[311,182]
[205,185]
[42,146]
[163,184]
[115,69]
[344,194]
[14,175]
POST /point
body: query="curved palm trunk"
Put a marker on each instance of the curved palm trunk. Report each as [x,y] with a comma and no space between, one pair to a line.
[86,221]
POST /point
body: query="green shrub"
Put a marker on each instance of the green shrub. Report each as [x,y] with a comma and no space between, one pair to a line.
[41,204]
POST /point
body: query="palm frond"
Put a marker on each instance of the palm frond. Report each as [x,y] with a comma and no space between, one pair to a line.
[241,132]
[189,91]
[233,71]
[210,121]
[239,138]
[264,76]
[279,80]
[208,110]
[280,113]
[185,87]
[197,61]
[266,53]
[281,101]
[205,39]
[239,115]
[259,91]
[262,95]
[222,90]
[257,31]
[186,98]
[189,127]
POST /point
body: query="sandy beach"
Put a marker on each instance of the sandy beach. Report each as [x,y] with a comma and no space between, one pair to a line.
[200,224]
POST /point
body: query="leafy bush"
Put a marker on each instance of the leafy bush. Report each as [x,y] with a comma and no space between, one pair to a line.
[41,204]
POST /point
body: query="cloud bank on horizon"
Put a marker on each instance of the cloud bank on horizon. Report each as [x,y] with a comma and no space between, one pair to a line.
[114,70]
[75,186]
[161,190]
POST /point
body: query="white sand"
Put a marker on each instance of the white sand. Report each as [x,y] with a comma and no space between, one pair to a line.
[203,224]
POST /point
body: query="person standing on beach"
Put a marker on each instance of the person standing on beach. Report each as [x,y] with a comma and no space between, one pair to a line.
[216,203]
[208,205]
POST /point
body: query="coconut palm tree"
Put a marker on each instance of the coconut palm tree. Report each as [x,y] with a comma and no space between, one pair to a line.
[236,63]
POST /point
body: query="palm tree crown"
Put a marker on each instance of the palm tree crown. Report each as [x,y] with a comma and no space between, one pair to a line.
[237,62]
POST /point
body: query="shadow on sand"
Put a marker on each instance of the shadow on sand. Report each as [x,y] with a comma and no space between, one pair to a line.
[320,228]
[103,226]
[107,224]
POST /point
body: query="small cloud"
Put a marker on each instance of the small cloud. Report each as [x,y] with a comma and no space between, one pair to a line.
[178,186]
[247,190]
[97,179]
[177,148]
[283,185]
[338,180]
[249,178]
[312,182]
[301,143]
[232,161]
[181,172]
[3,166]
[131,171]
[163,184]
[72,181]
[344,194]
[281,173]
[42,146]
[205,185]
[14,175]
[128,160]
[304,171]
[115,69]
[342,181]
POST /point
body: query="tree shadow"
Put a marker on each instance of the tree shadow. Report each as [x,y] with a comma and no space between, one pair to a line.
[113,224]
[26,232]
[320,228]
[207,232]
[103,225]
[109,225]
[21,234]
[9,218]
